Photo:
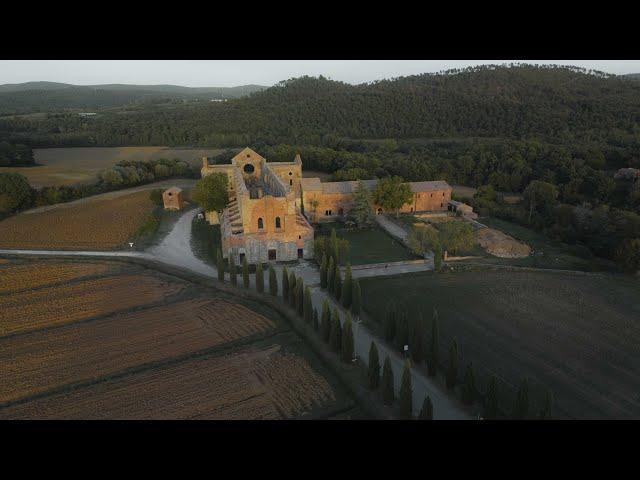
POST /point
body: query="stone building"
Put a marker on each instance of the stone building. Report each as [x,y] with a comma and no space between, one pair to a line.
[173,199]
[264,221]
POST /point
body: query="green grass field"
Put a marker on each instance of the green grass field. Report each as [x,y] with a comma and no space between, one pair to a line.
[368,246]
[576,334]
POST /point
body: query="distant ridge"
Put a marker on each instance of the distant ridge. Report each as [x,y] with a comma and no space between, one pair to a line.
[231,92]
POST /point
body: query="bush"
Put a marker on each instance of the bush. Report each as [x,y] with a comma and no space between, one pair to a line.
[156,197]
[15,193]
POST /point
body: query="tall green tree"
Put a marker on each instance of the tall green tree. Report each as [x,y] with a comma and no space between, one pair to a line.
[406,393]
[273,281]
[220,266]
[417,341]
[259,278]
[323,271]
[211,192]
[232,270]
[347,289]
[469,388]
[15,193]
[521,407]
[374,367]
[335,336]
[491,399]
[437,257]
[245,272]
[292,290]
[300,296]
[388,389]
[540,197]
[307,306]
[362,210]
[347,340]
[452,370]
[432,363]
[325,321]
[402,329]
[285,285]
[426,412]
[337,283]
[316,320]
[392,193]
[331,272]
[356,304]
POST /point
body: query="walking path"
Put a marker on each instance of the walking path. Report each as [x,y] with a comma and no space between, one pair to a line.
[395,230]
[175,250]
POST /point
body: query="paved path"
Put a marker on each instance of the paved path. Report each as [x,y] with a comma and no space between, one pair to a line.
[175,250]
[395,230]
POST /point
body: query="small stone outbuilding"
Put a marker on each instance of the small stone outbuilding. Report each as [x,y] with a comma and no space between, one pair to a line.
[173,199]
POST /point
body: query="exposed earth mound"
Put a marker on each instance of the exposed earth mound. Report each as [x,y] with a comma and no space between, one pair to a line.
[501,245]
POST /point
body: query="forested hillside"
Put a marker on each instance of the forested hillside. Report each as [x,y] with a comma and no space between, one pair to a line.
[551,104]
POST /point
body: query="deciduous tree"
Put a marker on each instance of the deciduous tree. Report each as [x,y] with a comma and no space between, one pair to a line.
[211,192]
[391,194]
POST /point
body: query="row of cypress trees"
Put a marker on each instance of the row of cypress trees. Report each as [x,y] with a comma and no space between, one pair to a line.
[347,292]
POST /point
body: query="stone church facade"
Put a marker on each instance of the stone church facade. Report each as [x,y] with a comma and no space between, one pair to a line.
[264,222]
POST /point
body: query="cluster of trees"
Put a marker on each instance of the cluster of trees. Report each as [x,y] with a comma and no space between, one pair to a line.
[452,237]
[594,228]
[131,172]
[16,193]
[15,155]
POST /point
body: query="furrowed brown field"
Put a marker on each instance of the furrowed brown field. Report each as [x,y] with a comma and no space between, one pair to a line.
[223,387]
[63,304]
[138,344]
[94,225]
[25,276]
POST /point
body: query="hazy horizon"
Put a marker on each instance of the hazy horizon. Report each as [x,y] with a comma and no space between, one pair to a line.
[230,73]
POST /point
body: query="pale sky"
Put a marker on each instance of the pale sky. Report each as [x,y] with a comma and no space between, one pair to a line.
[227,73]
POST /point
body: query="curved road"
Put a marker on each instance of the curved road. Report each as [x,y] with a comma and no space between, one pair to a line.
[175,250]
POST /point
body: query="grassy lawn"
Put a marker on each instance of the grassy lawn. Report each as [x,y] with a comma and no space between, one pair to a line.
[575,334]
[368,246]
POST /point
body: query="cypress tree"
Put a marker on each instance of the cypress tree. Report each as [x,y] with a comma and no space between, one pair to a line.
[334,247]
[356,304]
[469,389]
[491,400]
[426,412]
[325,321]
[437,257]
[547,405]
[220,266]
[316,320]
[406,393]
[245,272]
[308,306]
[434,347]
[232,270]
[323,271]
[292,290]
[285,285]
[273,281]
[347,340]
[347,289]
[335,336]
[259,278]
[521,407]
[390,323]
[300,296]
[452,371]
[337,283]
[331,272]
[388,394]
[374,367]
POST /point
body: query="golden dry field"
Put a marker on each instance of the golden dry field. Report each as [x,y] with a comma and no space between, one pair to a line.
[81,165]
[131,343]
[94,224]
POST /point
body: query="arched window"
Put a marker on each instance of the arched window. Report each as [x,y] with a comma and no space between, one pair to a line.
[278,222]
[260,224]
